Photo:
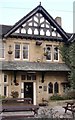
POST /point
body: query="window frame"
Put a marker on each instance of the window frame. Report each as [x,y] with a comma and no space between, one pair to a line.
[56,87]
[15,50]
[6,78]
[50,89]
[5,92]
[27,51]
[55,53]
[50,52]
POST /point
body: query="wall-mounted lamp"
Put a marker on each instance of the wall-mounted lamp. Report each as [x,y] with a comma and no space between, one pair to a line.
[9,51]
[38,42]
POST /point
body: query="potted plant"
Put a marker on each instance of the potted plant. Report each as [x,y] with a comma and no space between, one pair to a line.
[14,94]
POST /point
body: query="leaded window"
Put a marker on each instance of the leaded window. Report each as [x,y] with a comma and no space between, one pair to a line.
[50,87]
[56,87]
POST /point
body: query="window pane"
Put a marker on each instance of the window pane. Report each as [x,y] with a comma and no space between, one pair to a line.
[25,51]
[28,77]
[33,77]
[48,52]
[5,90]
[5,78]
[17,51]
[56,87]
[23,77]
[50,88]
[55,53]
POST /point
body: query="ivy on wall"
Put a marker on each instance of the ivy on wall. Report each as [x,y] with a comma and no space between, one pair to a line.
[68,56]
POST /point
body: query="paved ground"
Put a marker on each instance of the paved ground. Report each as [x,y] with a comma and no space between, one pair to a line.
[45,112]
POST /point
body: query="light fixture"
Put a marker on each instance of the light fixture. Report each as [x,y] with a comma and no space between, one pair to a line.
[10,51]
[38,42]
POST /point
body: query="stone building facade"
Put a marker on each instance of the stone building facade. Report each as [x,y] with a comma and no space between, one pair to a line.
[30,59]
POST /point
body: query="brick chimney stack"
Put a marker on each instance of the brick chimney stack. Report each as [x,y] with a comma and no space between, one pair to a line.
[58,20]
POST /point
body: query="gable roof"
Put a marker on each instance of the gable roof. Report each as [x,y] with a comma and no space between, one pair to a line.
[38,9]
[72,38]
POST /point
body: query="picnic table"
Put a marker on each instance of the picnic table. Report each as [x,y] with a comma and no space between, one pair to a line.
[70,105]
[14,105]
[16,108]
[17,100]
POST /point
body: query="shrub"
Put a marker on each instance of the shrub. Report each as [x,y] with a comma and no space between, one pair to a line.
[56,97]
[2,96]
[14,94]
[69,94]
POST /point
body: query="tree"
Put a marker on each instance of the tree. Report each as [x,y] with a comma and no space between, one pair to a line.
[68,56]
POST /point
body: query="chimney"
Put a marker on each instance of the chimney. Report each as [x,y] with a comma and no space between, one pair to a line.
[58,20]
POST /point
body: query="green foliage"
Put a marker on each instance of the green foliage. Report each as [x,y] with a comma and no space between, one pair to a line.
[56,97]
[2,96]
[68,55]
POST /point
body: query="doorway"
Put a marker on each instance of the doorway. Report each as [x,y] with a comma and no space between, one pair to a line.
[28,90]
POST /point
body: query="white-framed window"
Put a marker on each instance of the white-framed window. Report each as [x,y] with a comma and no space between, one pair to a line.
[17,51]
[28,76]
[25,51]
[55,53]
[5,90]
[48,52]
[5,78]
[2,50]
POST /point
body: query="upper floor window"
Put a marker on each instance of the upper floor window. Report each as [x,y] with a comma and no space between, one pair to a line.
[1,50]
[48,52]
[22,51]
[25,51]
[56,53]
[17,51]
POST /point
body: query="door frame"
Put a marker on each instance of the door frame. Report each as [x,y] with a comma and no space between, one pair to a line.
[29,84]
[34,91]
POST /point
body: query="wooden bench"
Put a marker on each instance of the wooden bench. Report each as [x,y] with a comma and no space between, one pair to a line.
[15,108]
[70,106]
[17,100]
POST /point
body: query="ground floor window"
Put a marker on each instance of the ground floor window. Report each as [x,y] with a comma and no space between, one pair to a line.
[53,88]
[50,88]
[56,87]
[28,76]
[5,90]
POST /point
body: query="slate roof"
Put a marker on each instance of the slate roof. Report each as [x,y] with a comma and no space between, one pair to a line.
[4,29]
[33,66]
